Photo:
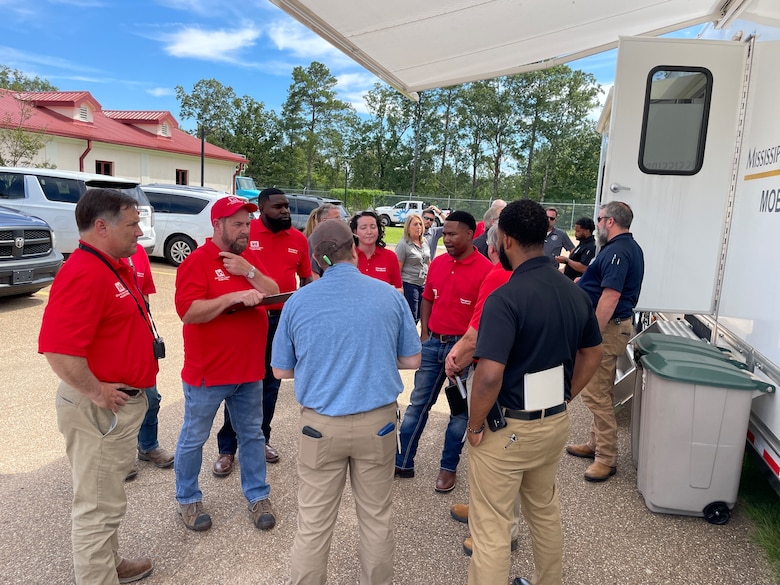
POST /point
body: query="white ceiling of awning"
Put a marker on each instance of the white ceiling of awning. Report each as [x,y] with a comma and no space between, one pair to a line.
[421,44]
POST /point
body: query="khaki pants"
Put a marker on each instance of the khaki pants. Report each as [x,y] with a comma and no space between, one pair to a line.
[599,394]
[348,444]
[499,468]
[101,449]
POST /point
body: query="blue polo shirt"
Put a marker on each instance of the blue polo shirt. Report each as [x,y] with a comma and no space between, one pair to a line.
[620,265]
[342,334]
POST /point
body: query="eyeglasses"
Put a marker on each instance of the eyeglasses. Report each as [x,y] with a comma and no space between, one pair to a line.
[427,218]
[603,217]
[551,218]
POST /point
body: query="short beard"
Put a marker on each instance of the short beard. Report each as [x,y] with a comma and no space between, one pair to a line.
[601,237]
[504,259]
[278,225]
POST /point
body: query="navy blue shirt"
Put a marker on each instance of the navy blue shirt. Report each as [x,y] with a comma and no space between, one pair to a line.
[536,321]
[620,265]
[583,253]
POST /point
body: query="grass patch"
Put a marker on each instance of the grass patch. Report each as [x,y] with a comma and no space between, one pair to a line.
[393,235]
[762,505]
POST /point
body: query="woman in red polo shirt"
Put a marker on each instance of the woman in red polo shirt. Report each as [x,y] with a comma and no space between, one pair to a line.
[374,259]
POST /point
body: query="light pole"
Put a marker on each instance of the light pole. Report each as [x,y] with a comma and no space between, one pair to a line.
[202,152]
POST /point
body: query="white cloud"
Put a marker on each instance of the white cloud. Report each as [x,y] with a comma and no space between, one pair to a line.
[160,91]
[294,38]
[219,45]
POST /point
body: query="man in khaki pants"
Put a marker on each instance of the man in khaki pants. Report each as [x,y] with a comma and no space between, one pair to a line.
[613,281]
[97,337]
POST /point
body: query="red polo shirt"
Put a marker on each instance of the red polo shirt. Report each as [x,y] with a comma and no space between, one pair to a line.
[285,254]
[480,229]
[382,265]
[93,314]
[224,350]
[495,278]
[143,271]
[453,287]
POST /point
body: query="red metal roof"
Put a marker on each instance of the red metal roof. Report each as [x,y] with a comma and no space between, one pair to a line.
[104,128]
[141,116]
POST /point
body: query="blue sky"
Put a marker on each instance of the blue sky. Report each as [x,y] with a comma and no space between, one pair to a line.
[130,54]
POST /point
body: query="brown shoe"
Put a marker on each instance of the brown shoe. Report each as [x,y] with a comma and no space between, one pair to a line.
[584,450]
[130,570]
[460,512]
[194,517]
[223,465]
[468,546]
[132,473]
[159,456]
[271,454]
[599,472]
[445,482]
[262,514]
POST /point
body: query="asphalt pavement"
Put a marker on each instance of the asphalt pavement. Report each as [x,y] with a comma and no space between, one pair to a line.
[610,537]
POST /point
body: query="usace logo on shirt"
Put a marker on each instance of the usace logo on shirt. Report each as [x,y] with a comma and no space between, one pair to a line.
[435,294]
[255,245]
[220,275]
[121,291]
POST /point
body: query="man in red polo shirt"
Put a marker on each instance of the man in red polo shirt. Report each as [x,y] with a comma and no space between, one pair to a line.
[97,337]
[285,253]
[219,288]
[450,294]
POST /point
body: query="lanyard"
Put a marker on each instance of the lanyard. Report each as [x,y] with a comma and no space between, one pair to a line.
[149,322]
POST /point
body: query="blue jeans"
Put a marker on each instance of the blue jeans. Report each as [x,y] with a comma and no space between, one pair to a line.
[200,405]
[427,384]
[226,437]
[147,436]
[413,293]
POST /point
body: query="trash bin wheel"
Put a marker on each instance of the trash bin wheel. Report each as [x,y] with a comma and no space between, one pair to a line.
[717,513]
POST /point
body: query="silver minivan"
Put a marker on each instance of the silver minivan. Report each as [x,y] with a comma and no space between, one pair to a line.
[52,194]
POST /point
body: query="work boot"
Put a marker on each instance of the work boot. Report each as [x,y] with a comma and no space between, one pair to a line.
[132,473]
[262,514]
[460,512]
[159,456]
[130,570]
[584,450]
[194,517]
[597,471]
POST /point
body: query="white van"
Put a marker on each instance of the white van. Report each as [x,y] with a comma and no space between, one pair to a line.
[52,195]
[182,218]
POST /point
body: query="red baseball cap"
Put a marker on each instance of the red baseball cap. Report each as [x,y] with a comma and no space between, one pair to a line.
[230,205]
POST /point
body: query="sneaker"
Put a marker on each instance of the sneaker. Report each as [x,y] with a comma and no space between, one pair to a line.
[194,517]
[132,473]
[159,456]
[262,514]
[130,570]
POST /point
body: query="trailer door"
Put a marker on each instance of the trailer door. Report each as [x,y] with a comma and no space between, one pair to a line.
[670,156]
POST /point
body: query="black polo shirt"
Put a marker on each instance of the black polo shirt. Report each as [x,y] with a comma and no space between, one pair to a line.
[536,321]
[583,253]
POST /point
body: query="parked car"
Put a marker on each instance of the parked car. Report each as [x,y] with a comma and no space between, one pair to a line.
[28,259]
[182,218]
[52,195]
[302,205]
[397,214]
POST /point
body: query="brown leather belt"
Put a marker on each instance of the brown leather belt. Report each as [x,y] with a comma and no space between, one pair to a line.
[445,338]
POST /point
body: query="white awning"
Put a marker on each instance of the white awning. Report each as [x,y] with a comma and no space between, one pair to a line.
[421,44]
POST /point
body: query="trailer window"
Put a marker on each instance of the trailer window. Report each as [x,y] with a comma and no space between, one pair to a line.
[674,126]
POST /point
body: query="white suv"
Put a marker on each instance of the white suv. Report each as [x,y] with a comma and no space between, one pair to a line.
[182,218]
[52,195]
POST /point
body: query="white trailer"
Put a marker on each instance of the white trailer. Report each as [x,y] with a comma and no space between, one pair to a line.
[692,138]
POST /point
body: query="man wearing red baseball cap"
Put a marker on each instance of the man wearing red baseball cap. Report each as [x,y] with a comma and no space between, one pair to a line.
[219,288]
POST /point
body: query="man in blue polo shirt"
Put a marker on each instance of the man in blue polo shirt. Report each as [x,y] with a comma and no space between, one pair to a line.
[613,281]
[334,360]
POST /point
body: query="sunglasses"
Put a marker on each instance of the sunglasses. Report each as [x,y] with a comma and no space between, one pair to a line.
[603,217]
[551,218]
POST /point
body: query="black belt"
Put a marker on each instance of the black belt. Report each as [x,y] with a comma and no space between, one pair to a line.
[534,414]
[274,313]
[130,391]
[618,320]
[445,338]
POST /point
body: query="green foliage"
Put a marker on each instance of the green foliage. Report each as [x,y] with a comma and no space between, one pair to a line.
[359,199]
[763,507]
[20,146]
[17,81]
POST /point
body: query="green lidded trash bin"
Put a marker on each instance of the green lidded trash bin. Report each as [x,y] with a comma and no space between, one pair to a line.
[650,342]
[694,417]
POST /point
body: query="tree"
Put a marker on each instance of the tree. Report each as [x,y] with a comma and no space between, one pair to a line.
[211,105]
[17,81]
[311,110]
[19,144]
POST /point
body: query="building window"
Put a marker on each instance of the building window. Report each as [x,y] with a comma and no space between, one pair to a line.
[674,129]
[104,167]
[182,177]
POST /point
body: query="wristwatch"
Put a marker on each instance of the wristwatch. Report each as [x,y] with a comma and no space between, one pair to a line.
[251,274]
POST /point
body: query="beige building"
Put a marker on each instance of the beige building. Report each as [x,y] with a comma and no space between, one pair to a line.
[143,145]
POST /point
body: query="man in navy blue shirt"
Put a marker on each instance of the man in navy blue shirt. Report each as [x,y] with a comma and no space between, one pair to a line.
[613,282]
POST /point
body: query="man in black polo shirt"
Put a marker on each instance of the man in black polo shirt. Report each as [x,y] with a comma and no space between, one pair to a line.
[613,281]
[579,258]
[538,344]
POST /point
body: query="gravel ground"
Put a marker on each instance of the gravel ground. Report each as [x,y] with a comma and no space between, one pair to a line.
[610,536]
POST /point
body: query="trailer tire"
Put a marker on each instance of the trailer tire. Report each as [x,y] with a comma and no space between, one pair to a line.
[717,513]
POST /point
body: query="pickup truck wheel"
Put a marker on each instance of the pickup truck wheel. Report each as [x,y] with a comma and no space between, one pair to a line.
[177,248]
[385,220]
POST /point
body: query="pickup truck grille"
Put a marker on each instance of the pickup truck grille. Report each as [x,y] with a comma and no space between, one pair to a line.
[37,242]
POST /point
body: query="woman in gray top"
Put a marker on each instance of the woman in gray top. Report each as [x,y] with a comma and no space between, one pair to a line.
[414,257]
